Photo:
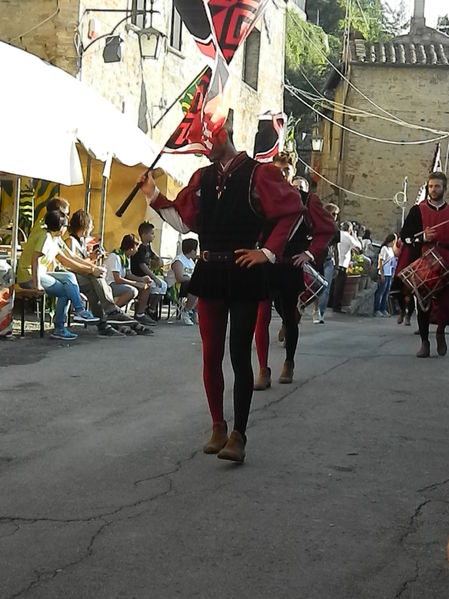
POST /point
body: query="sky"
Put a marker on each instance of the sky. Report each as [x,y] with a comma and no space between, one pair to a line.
[433,9]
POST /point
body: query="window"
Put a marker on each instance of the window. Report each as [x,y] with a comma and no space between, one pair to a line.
[176,30]
[139,14]
[251,59]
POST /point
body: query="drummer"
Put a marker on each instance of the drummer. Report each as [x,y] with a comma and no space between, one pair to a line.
[307,242]
[427,226]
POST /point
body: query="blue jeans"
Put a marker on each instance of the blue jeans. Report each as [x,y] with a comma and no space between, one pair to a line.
[64,286]
[328,275]
[381,295]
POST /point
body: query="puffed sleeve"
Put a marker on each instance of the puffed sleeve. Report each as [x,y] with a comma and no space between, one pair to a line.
[412,226]
[323,227]
[279,202]
[182,213]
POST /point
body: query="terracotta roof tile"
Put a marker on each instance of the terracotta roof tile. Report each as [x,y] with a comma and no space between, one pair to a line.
[396,53]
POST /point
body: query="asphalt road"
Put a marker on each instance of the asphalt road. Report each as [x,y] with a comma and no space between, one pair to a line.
[106,494]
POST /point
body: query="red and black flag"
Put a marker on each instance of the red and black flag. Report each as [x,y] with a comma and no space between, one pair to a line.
[270,136]
[218,27]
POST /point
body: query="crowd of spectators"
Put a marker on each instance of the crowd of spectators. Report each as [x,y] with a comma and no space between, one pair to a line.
[61,259]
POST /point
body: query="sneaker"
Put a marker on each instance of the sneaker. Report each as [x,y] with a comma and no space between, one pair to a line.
[378,314]
[85,316]
[119,317]
[152,315]
[145,320]
[185,319]
[63,334]
[140,329]
[386,314]
[407,320]
[316,317]
[109,331]
[128,331]
[193,316]
[321,320]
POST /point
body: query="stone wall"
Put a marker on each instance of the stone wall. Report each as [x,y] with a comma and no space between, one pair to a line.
[43,27]
[143,88]
[416,94]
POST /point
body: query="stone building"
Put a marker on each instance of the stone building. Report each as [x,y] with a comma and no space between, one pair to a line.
[407,79]
[68,33]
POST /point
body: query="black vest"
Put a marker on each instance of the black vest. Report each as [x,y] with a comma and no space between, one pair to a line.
[228,221]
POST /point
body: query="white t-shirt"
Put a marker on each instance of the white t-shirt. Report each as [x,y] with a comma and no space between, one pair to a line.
[51,248]
[386,254]
[114,264]
[347,242]
[188,265]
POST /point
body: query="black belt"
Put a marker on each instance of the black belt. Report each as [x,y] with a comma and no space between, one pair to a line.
[208,256]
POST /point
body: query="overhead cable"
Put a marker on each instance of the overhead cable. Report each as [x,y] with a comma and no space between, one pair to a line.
[359,195]
[396,119]
[370,137]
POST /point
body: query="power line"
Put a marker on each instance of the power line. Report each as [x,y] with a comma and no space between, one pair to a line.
[359,195]
[396,119]
[291,90]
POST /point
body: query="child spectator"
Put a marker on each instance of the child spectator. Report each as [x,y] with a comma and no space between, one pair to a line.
[97,290]
[183,266]
[146,263]
[124,284]
[35,271]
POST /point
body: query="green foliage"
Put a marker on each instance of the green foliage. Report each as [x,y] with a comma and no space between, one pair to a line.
[306,65]
[299,51]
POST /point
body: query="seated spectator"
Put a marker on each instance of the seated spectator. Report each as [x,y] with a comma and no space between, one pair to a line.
[98,292]
[36,271]
[183,266]
[124,284]
[147,263]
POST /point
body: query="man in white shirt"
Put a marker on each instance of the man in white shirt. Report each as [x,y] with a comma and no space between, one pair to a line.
[348,241]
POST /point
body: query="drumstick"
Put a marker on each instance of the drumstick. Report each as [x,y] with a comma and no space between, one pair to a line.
[434,227]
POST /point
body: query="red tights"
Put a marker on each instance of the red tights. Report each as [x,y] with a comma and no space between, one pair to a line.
[213,319]
[262,332]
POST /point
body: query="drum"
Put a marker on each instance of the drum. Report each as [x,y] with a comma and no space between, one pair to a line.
[426,277]
[314,284]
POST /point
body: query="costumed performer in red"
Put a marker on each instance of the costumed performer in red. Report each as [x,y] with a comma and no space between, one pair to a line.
[228,204]
[427,226]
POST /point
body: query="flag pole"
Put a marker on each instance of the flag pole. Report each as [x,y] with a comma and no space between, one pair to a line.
[136,188]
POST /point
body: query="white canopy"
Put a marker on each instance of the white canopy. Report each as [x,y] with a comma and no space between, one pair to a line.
[44,112]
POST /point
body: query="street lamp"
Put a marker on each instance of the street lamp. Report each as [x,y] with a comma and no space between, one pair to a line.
[317,140]
[150,42]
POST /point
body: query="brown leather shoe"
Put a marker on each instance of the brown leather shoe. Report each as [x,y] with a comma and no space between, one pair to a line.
[424,350]
[286,376]
[263,381]
[234,450]
[218,439]
[441,344]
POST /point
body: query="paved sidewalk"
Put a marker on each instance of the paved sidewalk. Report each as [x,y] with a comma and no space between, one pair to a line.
[105,493]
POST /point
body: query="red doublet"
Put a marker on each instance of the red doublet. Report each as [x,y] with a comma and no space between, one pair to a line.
[430,218]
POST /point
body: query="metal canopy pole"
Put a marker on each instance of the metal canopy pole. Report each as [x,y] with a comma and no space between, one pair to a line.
[15,226]
[104,189]
[88,183]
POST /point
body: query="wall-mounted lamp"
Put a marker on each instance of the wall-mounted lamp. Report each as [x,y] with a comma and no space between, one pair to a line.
[317,140]
[150,42]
